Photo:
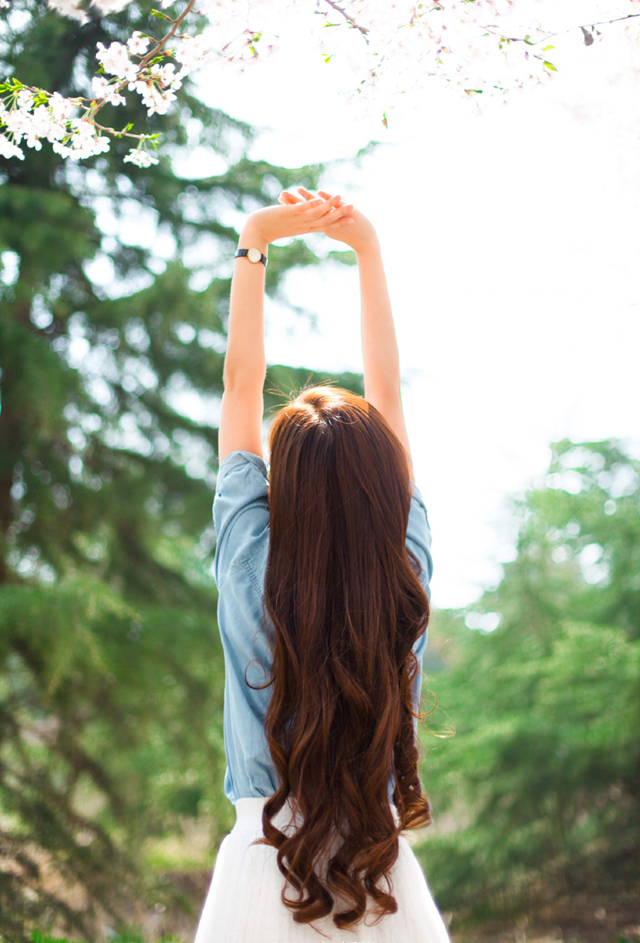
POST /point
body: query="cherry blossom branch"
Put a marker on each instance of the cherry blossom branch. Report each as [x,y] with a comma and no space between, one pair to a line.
[35,114]
[125,133]
[350,19]
[445,46]
[585,29]
[142,65]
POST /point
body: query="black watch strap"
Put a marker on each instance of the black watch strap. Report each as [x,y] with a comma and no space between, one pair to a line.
[242,253]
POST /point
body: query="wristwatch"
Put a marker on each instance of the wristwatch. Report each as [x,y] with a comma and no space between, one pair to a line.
[254,255]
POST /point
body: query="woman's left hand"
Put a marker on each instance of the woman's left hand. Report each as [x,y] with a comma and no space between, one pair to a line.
[296,219]
[360,235]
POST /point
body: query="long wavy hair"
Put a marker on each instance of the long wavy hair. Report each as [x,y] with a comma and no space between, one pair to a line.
[347,607]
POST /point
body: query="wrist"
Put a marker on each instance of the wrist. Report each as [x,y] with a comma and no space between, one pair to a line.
[371,247]
[251,236]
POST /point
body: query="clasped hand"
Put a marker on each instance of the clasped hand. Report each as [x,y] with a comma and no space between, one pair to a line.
[297,216]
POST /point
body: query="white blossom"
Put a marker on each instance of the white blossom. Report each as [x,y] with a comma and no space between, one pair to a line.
[166,73]
[110,6]
[44,124]
[18,123]
[62,149]
[155,101]
[32,140]
[106,90]
[389,48]
[88,147]
[32,127]
[9,149]
[115,60]
[83,131]
[68,8]
[61,108]
[24,99]
[84,141]
[192,52]
[140,158]
[4,4]
[138,86]
[209,8]
[101,144]
[100,86]
[41,123]
[164,103]
[137,44]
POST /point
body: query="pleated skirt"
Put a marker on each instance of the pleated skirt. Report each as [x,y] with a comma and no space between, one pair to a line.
[244,903]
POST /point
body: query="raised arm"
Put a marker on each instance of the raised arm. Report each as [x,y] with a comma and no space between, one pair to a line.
[245,364]
[379,345]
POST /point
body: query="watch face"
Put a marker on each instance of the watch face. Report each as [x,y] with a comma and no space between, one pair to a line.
[254,255]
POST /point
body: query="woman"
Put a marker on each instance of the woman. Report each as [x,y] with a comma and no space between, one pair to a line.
[323,572]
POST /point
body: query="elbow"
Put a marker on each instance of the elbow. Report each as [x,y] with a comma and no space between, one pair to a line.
[244,378]
[386,390]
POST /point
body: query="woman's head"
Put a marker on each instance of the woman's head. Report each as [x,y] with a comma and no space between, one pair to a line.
[347,607]
[332,453]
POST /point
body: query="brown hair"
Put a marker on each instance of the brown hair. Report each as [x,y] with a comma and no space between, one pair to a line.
[347,607]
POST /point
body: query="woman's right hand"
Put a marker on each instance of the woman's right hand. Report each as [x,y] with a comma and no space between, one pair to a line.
[296,218]
[359,234]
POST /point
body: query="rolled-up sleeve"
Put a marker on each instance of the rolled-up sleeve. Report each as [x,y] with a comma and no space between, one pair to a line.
[240,509]
[419,538]
[419,543]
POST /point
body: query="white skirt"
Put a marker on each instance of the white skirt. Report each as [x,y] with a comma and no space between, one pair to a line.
[244,902]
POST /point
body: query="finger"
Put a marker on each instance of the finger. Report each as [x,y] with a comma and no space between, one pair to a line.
[308,195]
[327,196]
[337,212]
[314,214]
[313,210]
[343,209]
[286,197]
[307,207]
[304,208]
[325,224]
[335,218]
[328,206]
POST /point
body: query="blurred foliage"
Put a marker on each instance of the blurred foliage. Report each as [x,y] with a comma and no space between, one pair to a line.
[114,297]
[541,782]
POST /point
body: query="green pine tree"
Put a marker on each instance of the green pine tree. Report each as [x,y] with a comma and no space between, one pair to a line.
[543,774]
[114,299]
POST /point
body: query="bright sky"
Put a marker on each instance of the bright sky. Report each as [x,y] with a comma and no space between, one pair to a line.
[511,241]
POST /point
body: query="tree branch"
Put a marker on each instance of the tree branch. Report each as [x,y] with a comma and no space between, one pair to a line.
[585,29]
[147,59]
[350,20]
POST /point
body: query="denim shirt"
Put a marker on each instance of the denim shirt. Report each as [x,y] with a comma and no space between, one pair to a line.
[241,518]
